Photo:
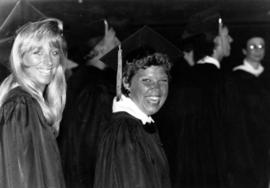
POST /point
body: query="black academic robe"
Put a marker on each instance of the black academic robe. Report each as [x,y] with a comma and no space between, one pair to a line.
[255,107]
[80,78]
[177,104]
[85,118]
[29,156]
[206,141]
[201,146]
[131,155]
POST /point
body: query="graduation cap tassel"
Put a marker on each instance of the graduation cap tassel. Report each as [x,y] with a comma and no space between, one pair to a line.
[220,25]
[106,27]
[119,74]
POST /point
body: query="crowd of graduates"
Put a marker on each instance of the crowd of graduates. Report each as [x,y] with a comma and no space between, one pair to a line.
[172,118]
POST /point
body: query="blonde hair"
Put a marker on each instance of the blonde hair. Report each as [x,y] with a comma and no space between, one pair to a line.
[52,101]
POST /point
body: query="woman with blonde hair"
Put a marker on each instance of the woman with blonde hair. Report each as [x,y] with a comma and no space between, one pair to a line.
[32,100]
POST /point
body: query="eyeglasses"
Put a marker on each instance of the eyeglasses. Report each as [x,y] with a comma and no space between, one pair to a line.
[256,47]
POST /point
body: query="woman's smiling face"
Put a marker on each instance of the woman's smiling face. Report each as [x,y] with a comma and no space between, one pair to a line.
[149,89]
[41,63]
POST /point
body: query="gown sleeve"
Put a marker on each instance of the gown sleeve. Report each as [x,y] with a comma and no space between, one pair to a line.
[125,159]
[28,154]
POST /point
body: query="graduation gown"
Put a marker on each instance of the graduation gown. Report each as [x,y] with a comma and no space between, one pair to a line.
[131,155]
[177,104]
[29,156]
[85,118]
[255,106]
[201,145]
[82,76]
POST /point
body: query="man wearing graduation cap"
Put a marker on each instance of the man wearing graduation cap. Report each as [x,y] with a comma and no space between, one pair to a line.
[131,154]
[201,159]
[208,37]
[89,97]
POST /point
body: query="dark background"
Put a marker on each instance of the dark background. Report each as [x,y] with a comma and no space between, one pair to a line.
[168,17]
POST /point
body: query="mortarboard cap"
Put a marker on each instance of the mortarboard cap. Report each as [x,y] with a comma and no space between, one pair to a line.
[203,23]
[144,38]
[22,13]
[83,39]
[142,42]
[84,32]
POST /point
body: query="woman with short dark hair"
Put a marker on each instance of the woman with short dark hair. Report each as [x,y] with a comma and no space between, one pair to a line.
[131,153]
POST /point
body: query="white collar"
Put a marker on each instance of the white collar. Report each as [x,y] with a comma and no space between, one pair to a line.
[210,60]
[248,68]
[125,104]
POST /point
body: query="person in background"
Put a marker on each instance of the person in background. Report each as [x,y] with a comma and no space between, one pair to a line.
[32,100]
[186,44]
[254,52]
[89,100]
[253,95]
[102,39]
[201,146]
[130,152]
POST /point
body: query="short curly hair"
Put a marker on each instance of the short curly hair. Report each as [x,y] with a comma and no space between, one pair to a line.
[142,59]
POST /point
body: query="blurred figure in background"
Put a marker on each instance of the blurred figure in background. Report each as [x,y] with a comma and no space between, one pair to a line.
[102,40]
[32,100]
[90,93]
[255,105]
[201,148]
[254,51]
